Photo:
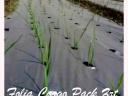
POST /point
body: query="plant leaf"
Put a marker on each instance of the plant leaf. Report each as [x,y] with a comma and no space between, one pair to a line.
[120,81]
[112,85]
[90,54]
[12,45]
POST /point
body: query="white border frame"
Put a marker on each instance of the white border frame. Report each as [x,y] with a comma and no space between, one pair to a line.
[2,48]
[126,48]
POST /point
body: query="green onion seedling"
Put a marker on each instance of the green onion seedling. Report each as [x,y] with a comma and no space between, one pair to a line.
[91,49]
[77,41]
[119,84]
[44,47]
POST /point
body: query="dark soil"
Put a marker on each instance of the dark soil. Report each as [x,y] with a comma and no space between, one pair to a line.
[112,14]
[74,48]
[10,6]
[87,64]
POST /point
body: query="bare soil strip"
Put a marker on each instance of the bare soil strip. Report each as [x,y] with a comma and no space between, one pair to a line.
[109,13]
[10,6]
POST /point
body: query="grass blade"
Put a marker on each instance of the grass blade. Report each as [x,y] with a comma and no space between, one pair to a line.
[120,81]
[112,85]
[12,45]
[90,54]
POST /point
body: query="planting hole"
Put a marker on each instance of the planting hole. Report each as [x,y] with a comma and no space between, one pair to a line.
[6,29]
[8,18]
[109,32]
[97,25]
[49,17]
[31,22]
[66,37]
[121,41]
[56,28]
[112,50]
[45,63]
[74,48]
[89,65]
[76,23]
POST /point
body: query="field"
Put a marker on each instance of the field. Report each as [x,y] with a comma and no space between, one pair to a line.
[62,44]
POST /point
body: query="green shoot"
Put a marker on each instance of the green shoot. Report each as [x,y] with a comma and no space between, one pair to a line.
[66,30]
[47,61]
[12,44]
[90,54]
[44,47]
[65,22]
[119,83]
[76,42]
[91,49]
[35,25]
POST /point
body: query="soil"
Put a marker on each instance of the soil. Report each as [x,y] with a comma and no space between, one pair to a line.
[112,14]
